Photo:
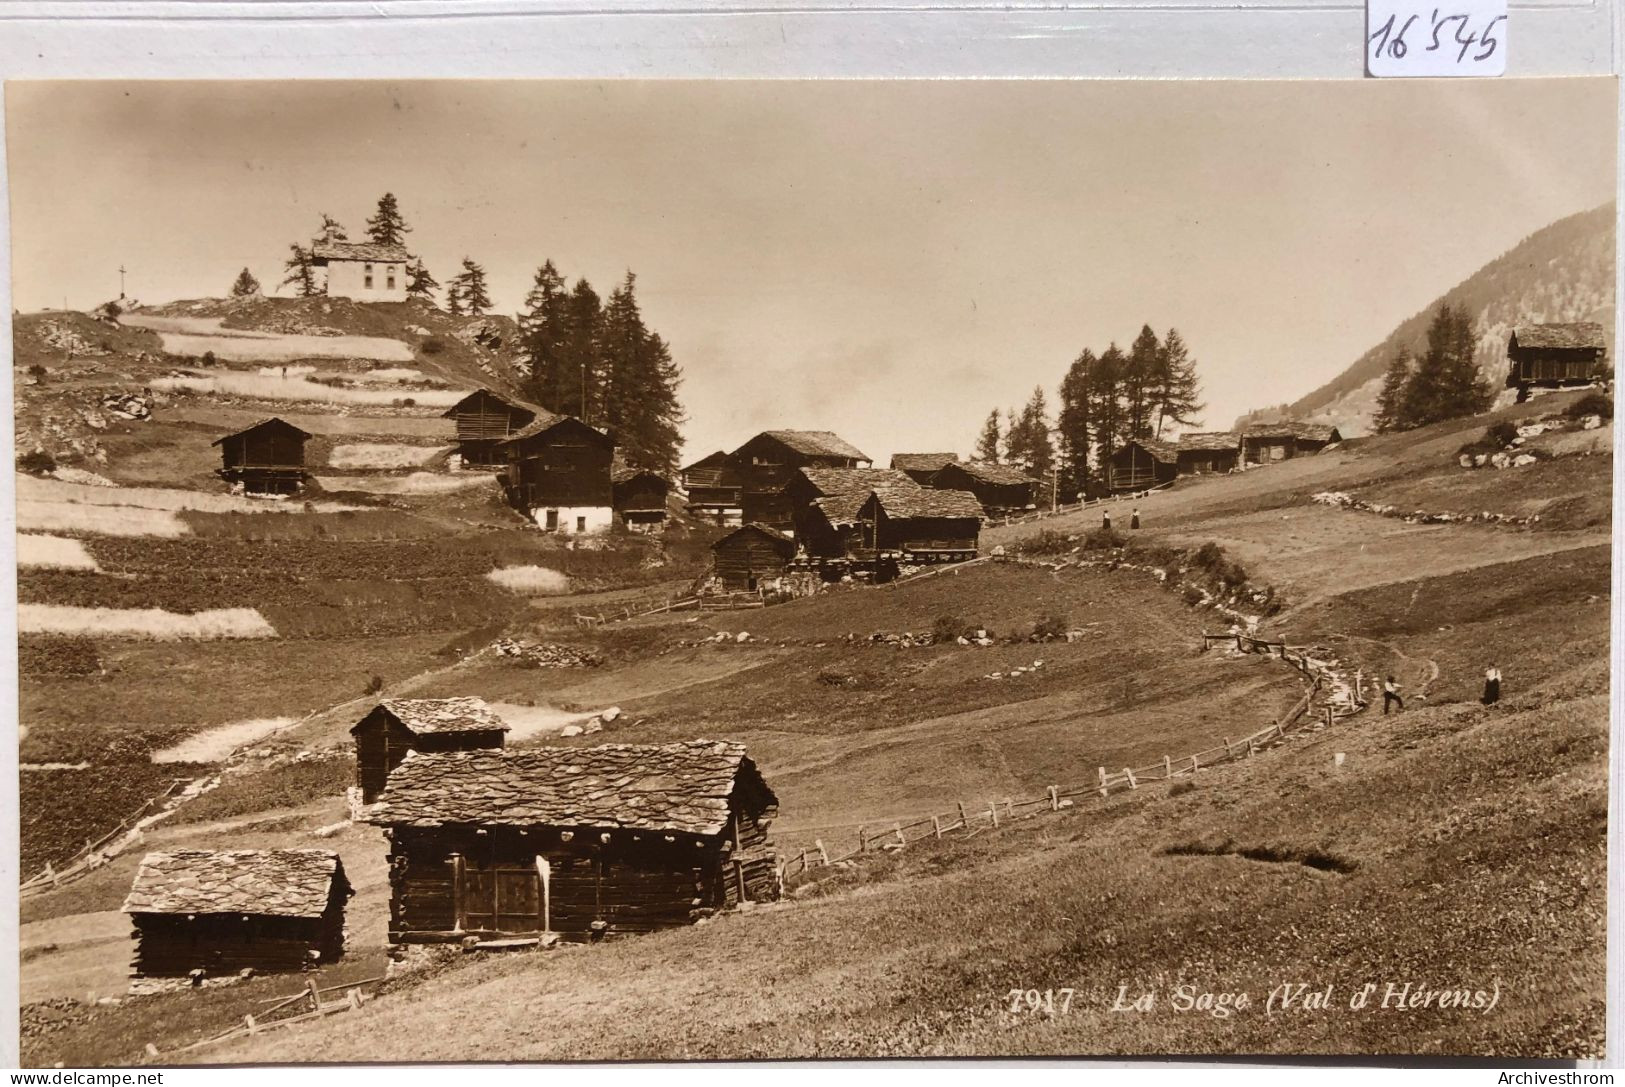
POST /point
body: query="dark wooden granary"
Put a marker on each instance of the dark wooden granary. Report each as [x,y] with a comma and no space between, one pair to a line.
[1209,452]
[485,420]
[712,488]
[581,842]
[267,458]
[920,467]
[766,463]
[921,524]
[1262,443]
[751,555]
[1001,488]
[1140,464]
[811,519]
[559,474]
[1556,356]
[399,726]
[220,913]
[640,498]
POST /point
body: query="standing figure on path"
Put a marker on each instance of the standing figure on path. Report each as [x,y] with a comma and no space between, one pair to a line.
[1390,695]
[1492,685]
[1134,518]
[1106,520]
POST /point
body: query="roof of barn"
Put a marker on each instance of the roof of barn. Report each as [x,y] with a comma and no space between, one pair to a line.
[816,443]
[766,530]
[922,462]
[535,410]
[1215,440]
[547,421]
[929,502]
[834,481]
[682,787]
[1575,336]
[273,882]
[425,716]
[383,254]
[273,421]
[1166,452]
[1294,428]
[991,473]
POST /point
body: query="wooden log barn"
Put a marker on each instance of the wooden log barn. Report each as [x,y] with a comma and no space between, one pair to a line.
[811,519]
[1556,356]
[485,420]
[205,913]
[266,458]
[712,488]
[920,467]
[921,525]
[1140,464]
[766,463]
[1263,443]
[582,842]
[750,555]
[1001,488]
[1208,453]
[399,726]
[640,499]
[559,475]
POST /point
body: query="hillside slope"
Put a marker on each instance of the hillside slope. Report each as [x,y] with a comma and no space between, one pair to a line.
[1563,272]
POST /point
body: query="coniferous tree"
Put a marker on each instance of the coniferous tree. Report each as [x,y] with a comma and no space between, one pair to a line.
[331,231]
[1177,390]
[1074,422]
[638,386]
[987,442]
[1028,443]
[1109,405]
[1139,383]
[245,285]
[1391,414]
[301,272]
[387,227]
[470,287]
[419,283]
[1446,383]
[582,368]
[543,331]
[454,300]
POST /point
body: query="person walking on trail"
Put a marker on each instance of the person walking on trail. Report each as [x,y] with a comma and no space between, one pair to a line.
[1134,518]
[1390,695]
[1106,520]
[1492,685]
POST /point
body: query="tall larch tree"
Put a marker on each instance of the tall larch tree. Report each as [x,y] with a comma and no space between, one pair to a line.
[1074,423]
[639,383]
[1391,413]
[1177,391]
[331,231]
[1446,383]
[544,328]
[301,272]
[419,283]
[582,365]
[388,226]
[1110,411]
[1035,455]
[470,287]
[987,442]
[1140,382]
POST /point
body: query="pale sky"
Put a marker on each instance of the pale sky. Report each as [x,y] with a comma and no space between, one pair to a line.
[886,260]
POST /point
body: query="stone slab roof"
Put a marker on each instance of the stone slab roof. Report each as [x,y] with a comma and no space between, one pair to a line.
[992,473]
[379,254]
[922,462]
[930,502]
[1294,428]
[818,443]
[274,882]
[427,715]
[680,787]
[1213,440]
[1578,335]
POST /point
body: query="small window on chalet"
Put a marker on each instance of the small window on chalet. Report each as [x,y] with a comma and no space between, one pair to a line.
[389,277]
[366,272]
[581,524]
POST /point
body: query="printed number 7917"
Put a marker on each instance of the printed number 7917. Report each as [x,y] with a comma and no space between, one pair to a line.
[1040,1000]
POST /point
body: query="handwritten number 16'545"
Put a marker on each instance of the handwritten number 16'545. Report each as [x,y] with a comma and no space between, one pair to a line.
[1386,39]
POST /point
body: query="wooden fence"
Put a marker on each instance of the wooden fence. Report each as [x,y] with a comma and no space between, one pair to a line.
[301,1007]
[990,814]
[99,851]
[1074,507]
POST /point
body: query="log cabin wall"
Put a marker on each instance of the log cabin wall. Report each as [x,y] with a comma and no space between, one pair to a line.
[173,945]
[744,559]
[382,743]
[928,533]
[566,466]
[450,882]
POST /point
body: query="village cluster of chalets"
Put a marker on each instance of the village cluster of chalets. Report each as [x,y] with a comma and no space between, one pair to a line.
[495,848]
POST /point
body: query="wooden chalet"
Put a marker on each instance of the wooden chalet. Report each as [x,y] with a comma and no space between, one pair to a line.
[559,474]
[203,913]
[766,463]
[921,524]
[1141,464]
[640,498]
[750,555]
[1556,356]
[1001,488]
[1262,443]
[267,458]
[1208,453]
[920,467]
[847,488]
[582,842]
[712,487]
[398,726]
[484,421]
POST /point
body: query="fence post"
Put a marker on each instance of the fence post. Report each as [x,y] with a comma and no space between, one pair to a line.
[1054,798]
[963,822]
[1328,716]
[898,830]
[253,1027]
[803,860]
[1252,747]
[315,996]
[1009,808]
[936,827]
[863,845]
[993,811]
[1103,781]
[354,997]
[1167,767]
[1227,752]
[823,854]
[1194,765]
[1359,687]
[1128,773]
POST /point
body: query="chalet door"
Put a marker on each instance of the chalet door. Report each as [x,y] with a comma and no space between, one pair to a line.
[506,899]
[552,520]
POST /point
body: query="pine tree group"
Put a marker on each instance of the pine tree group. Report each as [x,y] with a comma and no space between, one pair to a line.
[599,361]
[1105,401]
[1444,383]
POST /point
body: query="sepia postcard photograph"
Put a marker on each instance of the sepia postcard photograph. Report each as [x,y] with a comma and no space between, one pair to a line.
[556,571]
